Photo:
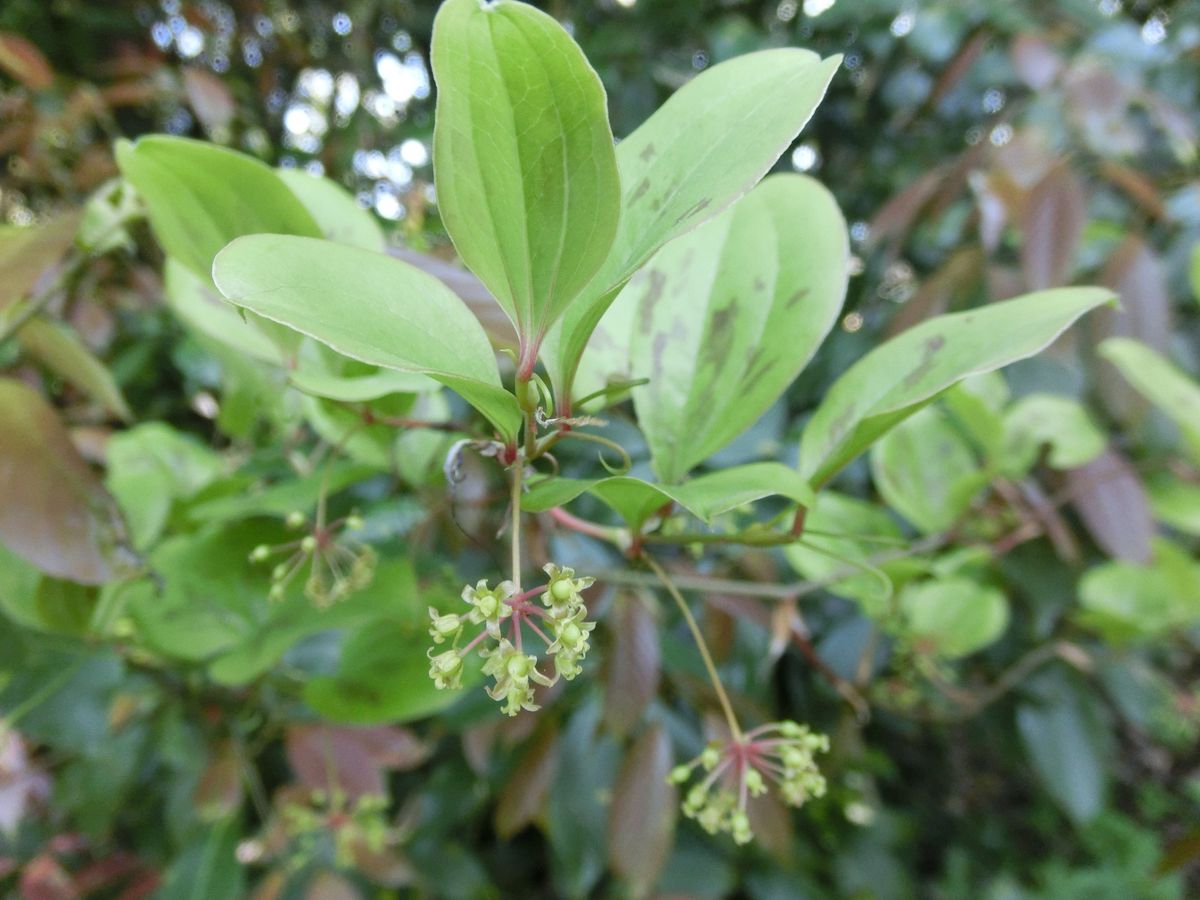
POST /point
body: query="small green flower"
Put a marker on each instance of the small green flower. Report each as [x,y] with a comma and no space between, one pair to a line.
[489,605]
[563,592]
[570,644]
[444,626]
[514,673]
[446,669]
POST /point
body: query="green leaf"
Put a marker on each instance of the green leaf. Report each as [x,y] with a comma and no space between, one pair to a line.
[728,315]
[702,150]
[896,379]
[198,304]
[200,196]
[62,352]
[526,174]
[1175,502]
[839,529]
[705,497]
[1059,422]
[207,867]
[55,512]
[926,471]
[371,308]
[1067,737]
[1195,272]
[1125,601]
[335,210]
[1163,383]
[953,616]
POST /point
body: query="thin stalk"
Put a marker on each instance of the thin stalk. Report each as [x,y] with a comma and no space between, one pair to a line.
[731,720]
[518,472]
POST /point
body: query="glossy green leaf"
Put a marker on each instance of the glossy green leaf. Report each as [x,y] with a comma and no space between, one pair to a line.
[1060,423]
[335,210]
[925,470]
[729,314]
[197,303]
[200,196]
[953,616]
[1163,383]
[705,497]
[55,513]
[702,150]
[526,174]
[62,352]
[371,308]
[897,378]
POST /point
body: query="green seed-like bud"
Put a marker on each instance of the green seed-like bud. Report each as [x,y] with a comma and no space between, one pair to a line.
[487,606]
[309,544]
[710,757]
[561,590]
[260,553]
[355,523]
[279,572]
[571,634]
[295,519]
[680,774]
[276,592]
[518,666]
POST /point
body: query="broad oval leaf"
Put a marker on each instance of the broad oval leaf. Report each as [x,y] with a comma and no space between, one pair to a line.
[953,616]
[335,211]
[728,315]
[1162,382]
[370,307]
[897,378]
[55,513]
[704,148]
[1060,423]
[526,174]
[704,497]
[199,197]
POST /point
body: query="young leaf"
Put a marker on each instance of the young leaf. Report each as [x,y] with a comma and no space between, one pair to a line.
[704,497]
[526,174]
[702,150]
[199,197]
[729,314]
[369,307]
[1162,382]
[897,378]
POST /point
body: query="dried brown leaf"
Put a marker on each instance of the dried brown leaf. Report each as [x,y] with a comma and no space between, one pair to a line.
[24,62]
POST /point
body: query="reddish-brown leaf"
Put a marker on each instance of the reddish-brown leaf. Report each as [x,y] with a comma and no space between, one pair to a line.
[219,791]
[1053,225]
[209,97]
[352,760]
[633,668]
[55,512]
[641,822]
[44,879]
[24,62]
[524,795]
[1112,503]
[1136,186]
[26,253]
[331,886]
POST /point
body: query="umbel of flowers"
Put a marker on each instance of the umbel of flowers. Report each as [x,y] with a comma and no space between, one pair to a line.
[502,614]
[333,562]
[781,753]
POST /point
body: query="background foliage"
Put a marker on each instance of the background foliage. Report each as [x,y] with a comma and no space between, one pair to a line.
[1022,722]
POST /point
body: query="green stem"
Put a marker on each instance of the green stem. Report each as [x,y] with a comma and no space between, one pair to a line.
[730,719]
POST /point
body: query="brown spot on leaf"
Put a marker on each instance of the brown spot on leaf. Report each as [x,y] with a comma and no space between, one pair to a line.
[653,294]
[791,301]
[694,210]
[648,153]
[640,191]
[932,346]
[720,336]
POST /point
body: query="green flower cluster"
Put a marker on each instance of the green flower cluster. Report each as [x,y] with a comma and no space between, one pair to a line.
[338,565]
[783,753]
[502,614]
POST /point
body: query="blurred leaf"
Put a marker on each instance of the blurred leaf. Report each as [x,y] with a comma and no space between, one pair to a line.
[24,62]
[1111,501]
[632,674]
[1163,383]
[353,761]
[209,97]
[1123,600]
[371,308]
[335,211]
[523,155]
[954,616]
[199,197]
[729,314]
[218,793]
[1036,60]
[469,289]
[707,145]
[641,822]
[207,867]
[60,350]
[1066,737]
[55,511]
[25,253]
[926,471]
[1053,225]
[1175,503]
[1054,421]
[705,496]
[523,796]
[897,378]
